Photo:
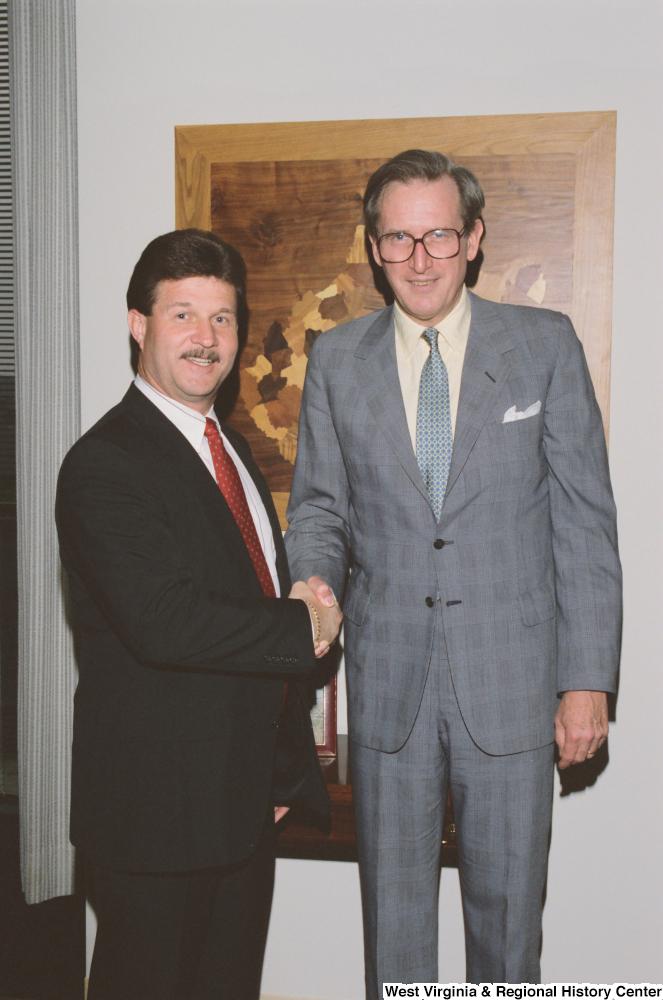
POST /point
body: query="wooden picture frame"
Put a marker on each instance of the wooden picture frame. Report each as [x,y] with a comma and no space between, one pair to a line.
[570,156]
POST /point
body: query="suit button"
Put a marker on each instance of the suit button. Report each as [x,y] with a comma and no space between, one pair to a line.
[275,725]
[439,543]
[430,602]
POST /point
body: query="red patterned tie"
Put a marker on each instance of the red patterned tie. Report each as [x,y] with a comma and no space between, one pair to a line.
[230,485]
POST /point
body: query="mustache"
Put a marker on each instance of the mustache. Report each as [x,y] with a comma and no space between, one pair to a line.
[201,354]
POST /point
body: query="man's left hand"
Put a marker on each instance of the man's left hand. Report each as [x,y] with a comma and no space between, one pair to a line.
[581,725]
[279,812]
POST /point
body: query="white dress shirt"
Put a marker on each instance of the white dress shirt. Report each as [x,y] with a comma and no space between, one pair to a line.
[412,352]
[191,424]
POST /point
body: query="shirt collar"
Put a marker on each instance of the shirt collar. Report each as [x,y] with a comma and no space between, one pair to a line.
[454,327]
[189,422]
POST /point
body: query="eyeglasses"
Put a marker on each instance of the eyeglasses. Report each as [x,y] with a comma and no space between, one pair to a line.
[394,248]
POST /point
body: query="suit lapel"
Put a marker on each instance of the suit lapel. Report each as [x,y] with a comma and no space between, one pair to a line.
[485,370]
[190,474]
[377,374]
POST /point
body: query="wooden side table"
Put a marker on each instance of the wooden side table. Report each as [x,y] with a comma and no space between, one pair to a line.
[297,839]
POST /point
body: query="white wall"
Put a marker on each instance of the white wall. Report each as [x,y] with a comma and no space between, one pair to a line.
[145,66]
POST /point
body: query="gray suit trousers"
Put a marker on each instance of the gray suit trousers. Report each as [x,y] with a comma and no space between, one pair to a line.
[502,808]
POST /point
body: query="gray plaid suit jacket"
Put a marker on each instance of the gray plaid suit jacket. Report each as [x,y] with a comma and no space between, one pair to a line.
[528,576]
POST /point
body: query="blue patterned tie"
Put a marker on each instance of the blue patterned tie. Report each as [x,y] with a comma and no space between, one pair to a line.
[434,432]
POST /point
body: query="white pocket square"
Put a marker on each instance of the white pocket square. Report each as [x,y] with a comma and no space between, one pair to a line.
[514,414]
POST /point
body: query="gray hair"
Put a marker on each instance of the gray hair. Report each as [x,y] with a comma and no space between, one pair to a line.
[421,164]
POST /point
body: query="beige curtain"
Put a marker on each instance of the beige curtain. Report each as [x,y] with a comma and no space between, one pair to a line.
[42,37]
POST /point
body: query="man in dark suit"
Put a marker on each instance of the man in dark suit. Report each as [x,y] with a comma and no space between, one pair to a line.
[451,452]
[186,748]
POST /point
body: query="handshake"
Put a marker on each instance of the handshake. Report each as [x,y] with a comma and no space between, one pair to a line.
[326,616]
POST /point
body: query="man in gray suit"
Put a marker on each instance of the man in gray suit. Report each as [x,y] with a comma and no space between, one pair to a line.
[452,458]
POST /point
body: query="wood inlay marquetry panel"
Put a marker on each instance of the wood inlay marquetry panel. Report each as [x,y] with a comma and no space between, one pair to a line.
[288,195]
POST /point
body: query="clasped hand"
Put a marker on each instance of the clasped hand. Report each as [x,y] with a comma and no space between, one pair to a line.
[319,594]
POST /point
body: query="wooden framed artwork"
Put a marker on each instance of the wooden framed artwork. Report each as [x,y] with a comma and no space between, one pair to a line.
[288,195]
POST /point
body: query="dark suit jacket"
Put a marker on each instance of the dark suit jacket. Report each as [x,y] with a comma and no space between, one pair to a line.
[182,658]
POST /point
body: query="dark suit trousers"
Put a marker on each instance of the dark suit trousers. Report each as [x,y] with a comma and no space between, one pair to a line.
[502,808]
[182,936]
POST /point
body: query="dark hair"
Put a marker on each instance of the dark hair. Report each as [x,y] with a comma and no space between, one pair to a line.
[423,165]
[186,253]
